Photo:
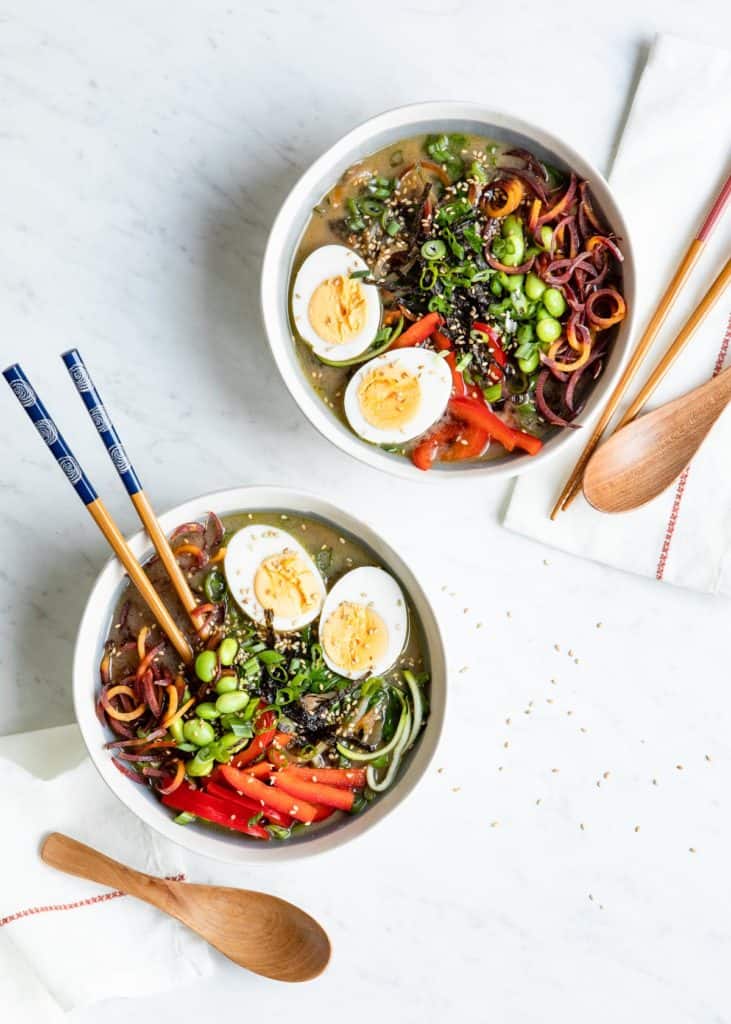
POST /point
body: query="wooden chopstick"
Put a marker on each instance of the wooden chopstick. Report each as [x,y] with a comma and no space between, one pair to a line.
[75,475]
[110,438]
[573,485]
[696,318]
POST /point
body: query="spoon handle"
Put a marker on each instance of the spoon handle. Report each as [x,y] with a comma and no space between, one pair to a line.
[75,858]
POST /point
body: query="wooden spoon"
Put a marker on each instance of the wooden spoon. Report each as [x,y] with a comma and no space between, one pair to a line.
[643,458]
[262,933]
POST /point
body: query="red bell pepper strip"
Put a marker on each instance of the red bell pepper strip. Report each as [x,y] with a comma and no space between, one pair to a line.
[444,345]
[450,442]
[265,723]
[418,332]
[469,443]
[323,812]
[276,817]
[478,414]
[341,778]
[214,809]
[314,792]
[495,348]
[254,789]
[426,451]
[261,770]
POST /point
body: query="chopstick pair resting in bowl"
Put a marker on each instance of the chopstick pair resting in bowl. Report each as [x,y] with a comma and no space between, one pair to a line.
[49,432]
[255,724]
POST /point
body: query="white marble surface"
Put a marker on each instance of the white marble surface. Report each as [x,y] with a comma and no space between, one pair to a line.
[145,148]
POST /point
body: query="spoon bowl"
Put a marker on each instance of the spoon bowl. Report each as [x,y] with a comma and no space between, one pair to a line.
[644,458]
[263,933]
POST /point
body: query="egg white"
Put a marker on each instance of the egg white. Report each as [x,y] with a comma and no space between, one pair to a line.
[435,385]
[326,262]
[245,552]
[375,588]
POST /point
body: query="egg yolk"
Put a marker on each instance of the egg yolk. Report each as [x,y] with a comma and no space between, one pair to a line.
[354,637]
[285,583]
[337,309]
[389,396]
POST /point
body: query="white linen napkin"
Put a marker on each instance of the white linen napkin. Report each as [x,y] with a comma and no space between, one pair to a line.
[672,160]
[65,942]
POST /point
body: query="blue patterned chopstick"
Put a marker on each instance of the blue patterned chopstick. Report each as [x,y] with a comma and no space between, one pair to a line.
[39,416]
[101,419]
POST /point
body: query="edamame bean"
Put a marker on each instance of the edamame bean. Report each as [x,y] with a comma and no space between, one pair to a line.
[229,703]
[208,711]
[534,287]
[512,226]
[201,764]
[548,329]
[176,730]
[205,666]
[495,287]
[554,302]
[227,684]
[529,364]
[199,732]
[227,651]
[542,313]
[514,251]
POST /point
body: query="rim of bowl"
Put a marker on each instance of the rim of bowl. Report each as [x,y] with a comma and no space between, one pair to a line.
[417,118]
[92,631]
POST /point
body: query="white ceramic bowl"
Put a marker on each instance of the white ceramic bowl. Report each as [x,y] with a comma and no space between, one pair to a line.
[200,838]
[295,213]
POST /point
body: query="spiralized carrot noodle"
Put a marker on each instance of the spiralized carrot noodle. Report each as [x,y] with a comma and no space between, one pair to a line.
[202,609]
[534,212]
[148,659]
[172,692]
[187,549]
[429,165]
[167,722]
[121,716]
[177,779]
[513,191]
[141,641]
[219,556]
[570,367]
[603,322]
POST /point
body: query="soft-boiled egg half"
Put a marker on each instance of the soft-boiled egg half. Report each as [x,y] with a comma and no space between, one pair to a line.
[267,570]
[398,395]
[364,623]
[336,314]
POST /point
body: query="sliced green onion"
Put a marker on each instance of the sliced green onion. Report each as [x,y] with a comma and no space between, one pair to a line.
[494,393]
[397,157]
[434,249]
[184,818]
[464,361]
[371,207]
[428,278]
[478,172]
[271,657]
